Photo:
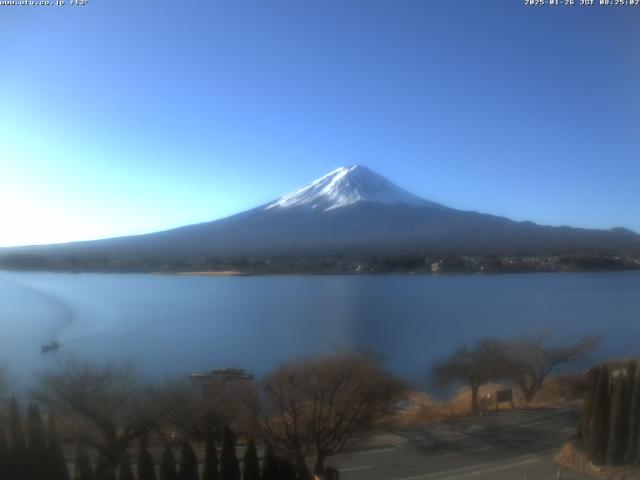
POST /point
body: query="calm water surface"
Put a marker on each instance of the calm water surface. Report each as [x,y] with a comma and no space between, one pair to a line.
[173,325]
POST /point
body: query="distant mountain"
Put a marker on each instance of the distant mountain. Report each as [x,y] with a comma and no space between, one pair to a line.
[351,210]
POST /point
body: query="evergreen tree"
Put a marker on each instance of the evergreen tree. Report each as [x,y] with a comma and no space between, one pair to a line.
[168,465]
[125,471]
[4,456]
[188,462]
[210,459]
[104,471]
[587,405]
[146,470]
[270,467]
[229,467]
[56,462]
[287,470]
[632,366]
[18,460]
[619,428]
[599,435]
[250,463]
[83,465]
[37,444]
[332,474]
[634,419]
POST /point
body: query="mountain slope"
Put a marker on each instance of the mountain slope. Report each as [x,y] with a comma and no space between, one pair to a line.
[347,186]
[355,211]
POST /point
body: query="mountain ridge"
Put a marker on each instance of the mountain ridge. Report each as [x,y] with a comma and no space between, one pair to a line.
[350,211]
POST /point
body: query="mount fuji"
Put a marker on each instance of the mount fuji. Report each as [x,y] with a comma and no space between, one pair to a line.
[347,186]
[351,210]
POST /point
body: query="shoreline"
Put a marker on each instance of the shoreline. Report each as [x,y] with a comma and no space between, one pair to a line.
[238,273]
[208,273]
[337,265]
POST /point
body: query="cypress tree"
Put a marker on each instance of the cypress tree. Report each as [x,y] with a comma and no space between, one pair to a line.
[125,471]
[250,463]
[619,428]
[229,467]
[146,471]
[631,374]
[634,419]
[168,465]
[587,404]
[4,456]
[270,467]
[38,458]
[599,435]
[18,460]
[210,459]
[83,465]
[104,471]
[287,470]
[56,462]
[188,462]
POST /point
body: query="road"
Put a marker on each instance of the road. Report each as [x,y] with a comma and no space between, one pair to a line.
[508,445]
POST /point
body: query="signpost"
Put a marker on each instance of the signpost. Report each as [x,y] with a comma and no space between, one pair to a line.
[504,396]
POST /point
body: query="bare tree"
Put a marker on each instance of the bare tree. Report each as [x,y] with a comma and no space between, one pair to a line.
[311,409]
[192,408]
[103,406]
[529,360]
[472,366]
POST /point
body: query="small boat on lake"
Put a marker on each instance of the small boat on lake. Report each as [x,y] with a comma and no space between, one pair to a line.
[227,373]
[49,347]
[232,372]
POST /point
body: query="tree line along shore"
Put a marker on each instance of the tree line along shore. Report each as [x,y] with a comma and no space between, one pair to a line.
[326,264]
[105,423]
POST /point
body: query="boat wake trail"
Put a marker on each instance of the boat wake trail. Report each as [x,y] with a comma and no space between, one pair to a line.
[46,309]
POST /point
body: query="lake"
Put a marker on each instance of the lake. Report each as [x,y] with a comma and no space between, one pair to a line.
[174,325]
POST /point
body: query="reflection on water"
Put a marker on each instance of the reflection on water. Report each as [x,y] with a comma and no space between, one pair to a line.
[174,325]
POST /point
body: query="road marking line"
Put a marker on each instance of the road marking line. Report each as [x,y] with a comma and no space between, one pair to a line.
[572,429]
[366,452]
[533,423]
[463,469]
[480,449]
[379,450]
[495,469]
[464,452]
[353,469]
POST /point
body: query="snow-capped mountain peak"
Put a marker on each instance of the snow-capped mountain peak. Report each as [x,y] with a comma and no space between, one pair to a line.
[346,186]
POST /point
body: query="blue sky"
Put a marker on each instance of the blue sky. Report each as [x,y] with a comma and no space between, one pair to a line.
[125,117]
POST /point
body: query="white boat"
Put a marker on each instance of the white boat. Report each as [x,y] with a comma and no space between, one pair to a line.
[49,347]
[227,373]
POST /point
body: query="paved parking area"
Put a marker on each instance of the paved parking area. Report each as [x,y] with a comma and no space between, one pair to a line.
[508,445]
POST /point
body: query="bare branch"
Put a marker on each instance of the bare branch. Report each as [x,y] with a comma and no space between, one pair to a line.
[312,409]
[104,406]
[529,360]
